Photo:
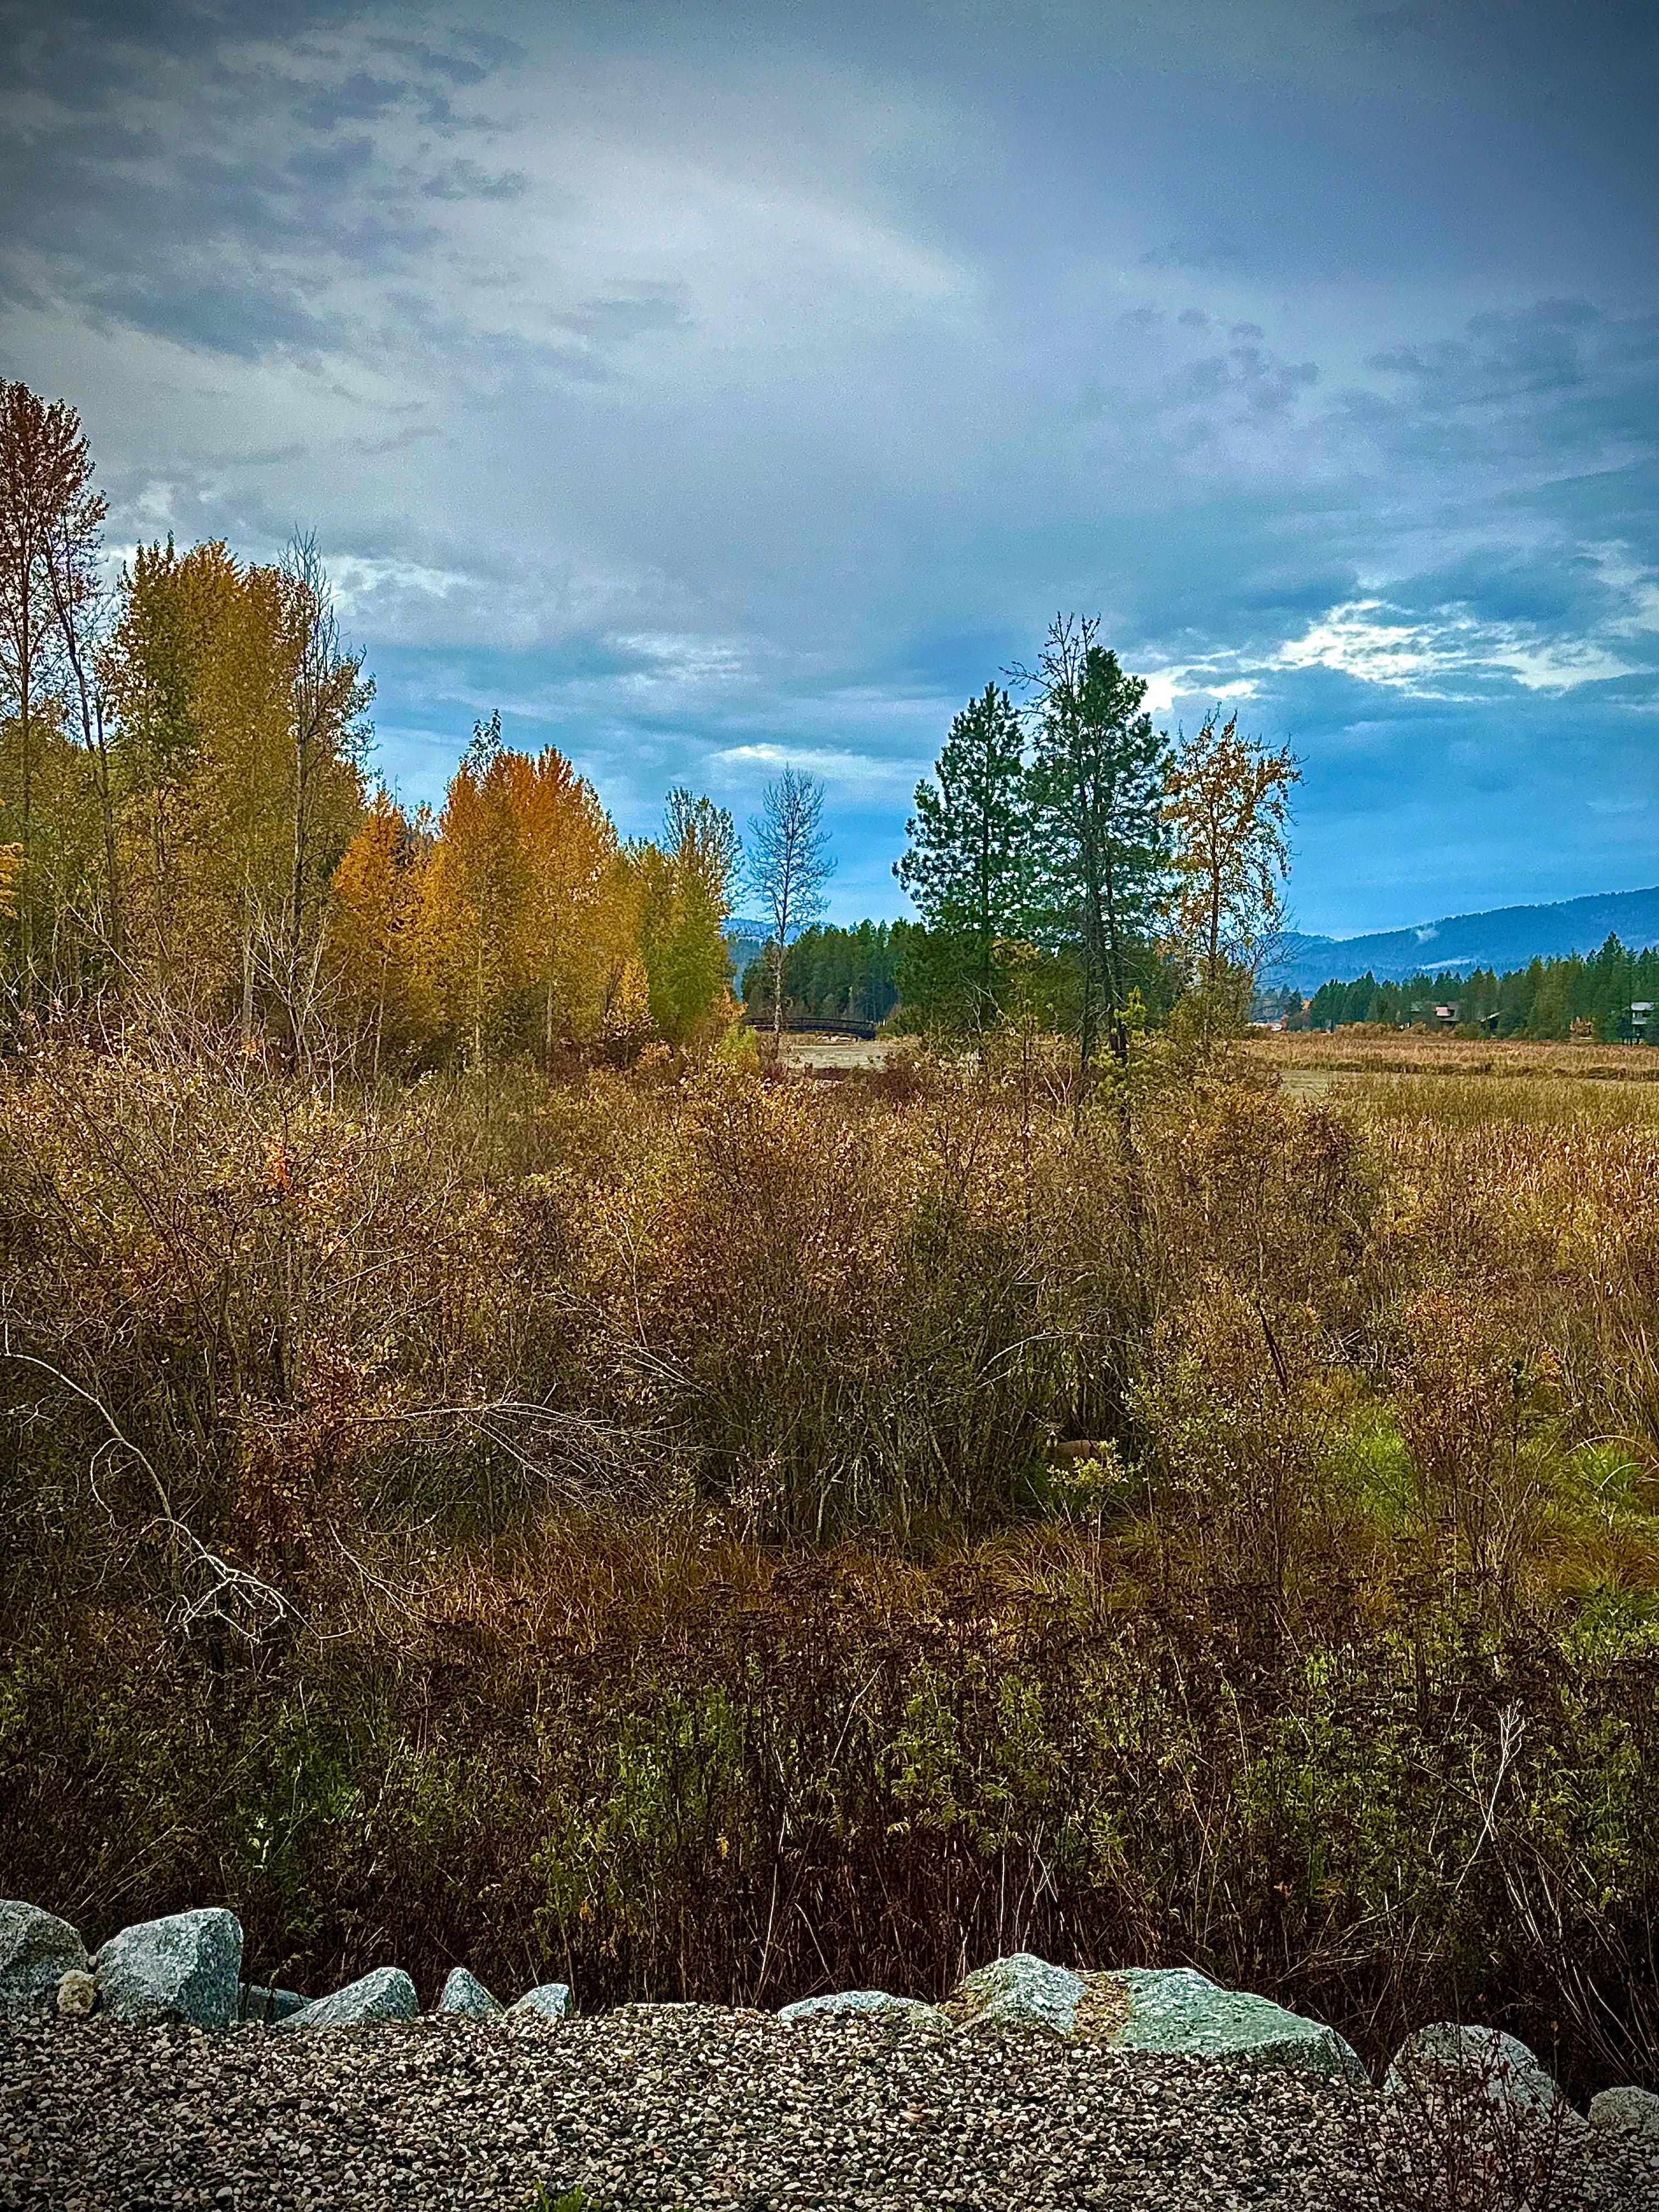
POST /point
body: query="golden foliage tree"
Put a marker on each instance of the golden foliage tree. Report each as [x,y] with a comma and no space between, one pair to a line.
[528,933]
[239,738]
[1227,805]
[373,915]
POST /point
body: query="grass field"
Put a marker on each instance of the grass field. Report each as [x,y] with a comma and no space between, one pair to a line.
[1361,1049]
[696,1533]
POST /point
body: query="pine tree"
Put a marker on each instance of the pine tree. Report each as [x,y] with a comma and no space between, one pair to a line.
[1097,790]
[969,867]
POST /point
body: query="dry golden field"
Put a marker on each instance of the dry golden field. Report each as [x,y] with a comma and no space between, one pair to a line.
[1362,1048]
[706,1533]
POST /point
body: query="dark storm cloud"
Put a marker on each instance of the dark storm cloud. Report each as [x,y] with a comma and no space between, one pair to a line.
[708,388]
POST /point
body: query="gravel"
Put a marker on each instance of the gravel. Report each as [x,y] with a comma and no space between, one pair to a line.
[665,2106]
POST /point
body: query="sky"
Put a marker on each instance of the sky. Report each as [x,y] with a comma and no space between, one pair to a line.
[711,388]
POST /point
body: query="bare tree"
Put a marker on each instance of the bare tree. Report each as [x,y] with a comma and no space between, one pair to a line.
[331,695]
[48,515]
[789,864]
[81,614]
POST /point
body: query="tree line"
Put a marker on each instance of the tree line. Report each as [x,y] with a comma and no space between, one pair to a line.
[1605,996]
[834,975]
[186,809]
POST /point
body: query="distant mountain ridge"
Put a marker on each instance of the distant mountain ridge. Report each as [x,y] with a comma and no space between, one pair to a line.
[1504,937]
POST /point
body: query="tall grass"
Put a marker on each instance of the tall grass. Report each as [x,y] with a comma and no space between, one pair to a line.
[721,1535]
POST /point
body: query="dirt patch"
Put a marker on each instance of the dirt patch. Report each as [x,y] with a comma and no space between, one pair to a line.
[1102,2013]
[834,1053]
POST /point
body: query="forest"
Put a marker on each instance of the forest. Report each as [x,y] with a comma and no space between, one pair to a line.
[1610,996]
[498,1468]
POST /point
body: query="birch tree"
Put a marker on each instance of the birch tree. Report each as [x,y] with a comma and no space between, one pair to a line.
[789,863]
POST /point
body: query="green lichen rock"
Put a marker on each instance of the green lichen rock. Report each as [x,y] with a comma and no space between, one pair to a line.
[260,2006]
[1636,2109]
[463,1994]
[1164,2009]
[1178,2010]
[37,1949]
[186,1967]
[386,1994]
[910,2009]
[551,2000]
[1021,1991]
[1482,2059]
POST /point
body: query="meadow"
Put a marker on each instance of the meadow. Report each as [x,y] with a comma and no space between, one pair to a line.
[697,1531]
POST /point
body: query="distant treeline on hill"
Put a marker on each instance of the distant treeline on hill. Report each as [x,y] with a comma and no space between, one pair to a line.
[1612,993]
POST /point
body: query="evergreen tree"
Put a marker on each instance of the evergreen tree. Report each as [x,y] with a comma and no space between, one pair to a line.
[969,864]
[1097,781]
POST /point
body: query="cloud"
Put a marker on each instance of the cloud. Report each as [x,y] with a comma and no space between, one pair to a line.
[855,771]
[710,390]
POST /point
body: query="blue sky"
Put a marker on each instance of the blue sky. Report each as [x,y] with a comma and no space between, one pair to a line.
[714,386]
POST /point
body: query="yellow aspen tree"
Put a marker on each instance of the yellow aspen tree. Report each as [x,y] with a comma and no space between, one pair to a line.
[570,847]
[177,677]
[374,902]
[477,946]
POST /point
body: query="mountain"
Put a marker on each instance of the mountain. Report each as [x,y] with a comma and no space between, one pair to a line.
[1507,937]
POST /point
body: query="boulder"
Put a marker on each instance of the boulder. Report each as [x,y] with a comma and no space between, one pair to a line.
[263,2007]
[551,2000]
[1172,2009]
[465,1995]
[386,1994]
[1443,2050]
[186,1967]
[1176,2009]
[1021,1991]
[911,2010]
[37,1949]
[1638,2109]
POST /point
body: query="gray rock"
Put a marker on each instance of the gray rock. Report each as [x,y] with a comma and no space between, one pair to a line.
[1180,2011]
[551,1999]
[864,2001]
[263,2007]
[1019,1991]
[77,1995]
[465,1995]
[186,1967]
[386,1994]
[1503,2067]
[1626,2108]
[37,1949]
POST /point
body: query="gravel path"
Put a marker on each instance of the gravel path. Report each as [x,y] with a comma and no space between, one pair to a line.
[667,2106]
